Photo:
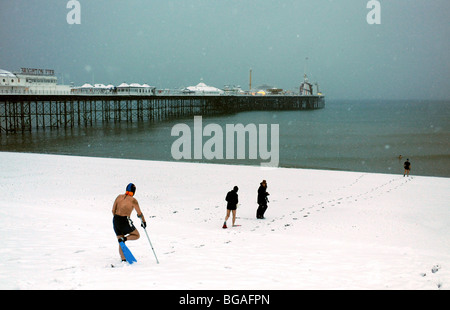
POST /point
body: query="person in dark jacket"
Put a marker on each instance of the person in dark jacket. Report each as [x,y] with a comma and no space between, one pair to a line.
[232,201]
[262,200]
[407,166]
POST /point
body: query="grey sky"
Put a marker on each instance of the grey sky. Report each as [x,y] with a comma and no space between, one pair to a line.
[174,43]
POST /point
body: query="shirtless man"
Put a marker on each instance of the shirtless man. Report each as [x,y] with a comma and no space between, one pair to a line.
[123,225]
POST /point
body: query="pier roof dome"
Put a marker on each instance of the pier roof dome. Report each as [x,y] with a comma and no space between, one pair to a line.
[202,87]
[100,86]
[6,73]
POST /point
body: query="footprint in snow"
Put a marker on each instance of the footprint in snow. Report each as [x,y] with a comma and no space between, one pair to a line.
[435,268]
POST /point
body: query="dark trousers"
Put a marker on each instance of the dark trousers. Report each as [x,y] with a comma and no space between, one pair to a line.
[260,211]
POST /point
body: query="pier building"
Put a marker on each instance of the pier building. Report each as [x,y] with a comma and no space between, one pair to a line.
[32,100]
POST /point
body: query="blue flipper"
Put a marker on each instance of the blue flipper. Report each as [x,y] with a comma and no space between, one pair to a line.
[127,253]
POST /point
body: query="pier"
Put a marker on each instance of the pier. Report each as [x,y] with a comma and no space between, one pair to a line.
[29,112]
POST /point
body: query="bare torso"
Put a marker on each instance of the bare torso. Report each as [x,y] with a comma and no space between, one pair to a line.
[124,205]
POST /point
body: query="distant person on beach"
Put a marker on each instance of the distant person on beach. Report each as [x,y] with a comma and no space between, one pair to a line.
[123,225]
[232,201]
[262,200]
[407,166]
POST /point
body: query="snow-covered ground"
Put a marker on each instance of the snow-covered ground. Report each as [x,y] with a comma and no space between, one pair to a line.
[323,229]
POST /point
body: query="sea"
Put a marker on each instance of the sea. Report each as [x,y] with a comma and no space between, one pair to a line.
[374,136]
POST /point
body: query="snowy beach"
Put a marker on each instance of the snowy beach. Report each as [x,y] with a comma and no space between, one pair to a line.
[323,229]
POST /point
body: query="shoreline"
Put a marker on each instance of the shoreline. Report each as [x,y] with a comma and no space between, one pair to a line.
[212,162]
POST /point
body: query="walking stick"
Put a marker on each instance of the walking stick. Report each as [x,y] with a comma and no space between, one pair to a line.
[151,245]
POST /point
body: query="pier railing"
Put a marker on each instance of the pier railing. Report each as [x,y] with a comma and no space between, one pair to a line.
[19,113]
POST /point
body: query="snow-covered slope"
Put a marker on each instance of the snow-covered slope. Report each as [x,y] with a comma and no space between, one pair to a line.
[323,229]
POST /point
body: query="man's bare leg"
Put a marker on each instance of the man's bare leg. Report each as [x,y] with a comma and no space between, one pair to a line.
[228,215]
[134,235]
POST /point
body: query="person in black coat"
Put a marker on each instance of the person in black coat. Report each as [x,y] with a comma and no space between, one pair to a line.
[262,200]
[407,166]
[232,201]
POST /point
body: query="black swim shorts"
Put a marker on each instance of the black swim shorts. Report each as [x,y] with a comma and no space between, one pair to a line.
[123,225]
